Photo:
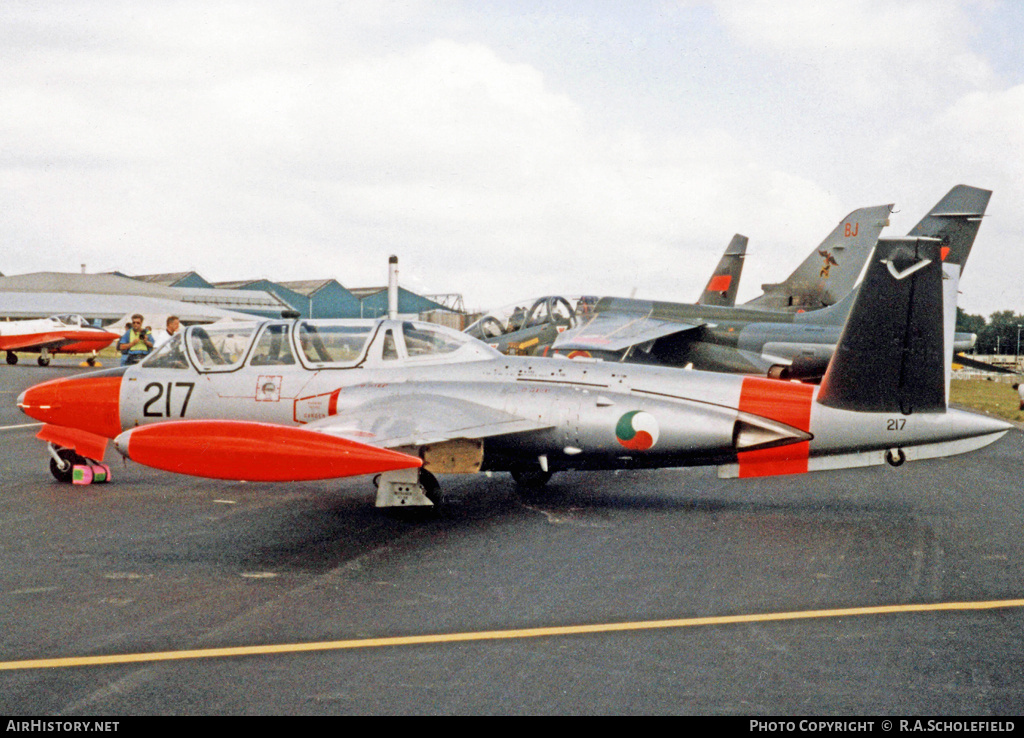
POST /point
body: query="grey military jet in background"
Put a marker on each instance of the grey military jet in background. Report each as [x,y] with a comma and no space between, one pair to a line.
[830,271]
[745,340]
[725,280]
[530,327]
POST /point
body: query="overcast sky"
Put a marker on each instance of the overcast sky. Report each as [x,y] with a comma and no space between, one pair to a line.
[501,149]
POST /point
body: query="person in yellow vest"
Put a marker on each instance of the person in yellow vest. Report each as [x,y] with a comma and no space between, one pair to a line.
[136,343]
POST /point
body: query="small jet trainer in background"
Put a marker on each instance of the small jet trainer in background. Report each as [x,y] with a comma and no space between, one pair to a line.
[60,334]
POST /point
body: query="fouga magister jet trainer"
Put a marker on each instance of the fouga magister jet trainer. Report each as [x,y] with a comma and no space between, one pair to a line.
[294,400]
[58,334]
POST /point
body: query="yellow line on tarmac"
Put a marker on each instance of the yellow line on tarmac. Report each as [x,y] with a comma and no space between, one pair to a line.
[492,635]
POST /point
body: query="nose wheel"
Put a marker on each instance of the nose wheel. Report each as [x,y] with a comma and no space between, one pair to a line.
[62,464]
[68,467]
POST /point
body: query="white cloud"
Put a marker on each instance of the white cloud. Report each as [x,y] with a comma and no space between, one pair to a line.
[978,140]
[866,51]
[442,150]
[252,140]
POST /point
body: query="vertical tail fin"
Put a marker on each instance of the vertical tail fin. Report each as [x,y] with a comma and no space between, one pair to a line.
[832,269]
[725,280]
[894,354]
[955,220]
[884,396]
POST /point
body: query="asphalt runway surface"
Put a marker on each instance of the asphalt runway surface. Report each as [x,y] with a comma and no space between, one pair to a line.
[172,567]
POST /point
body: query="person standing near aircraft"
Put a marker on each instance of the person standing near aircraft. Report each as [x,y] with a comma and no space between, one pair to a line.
[163,336]
[136,343]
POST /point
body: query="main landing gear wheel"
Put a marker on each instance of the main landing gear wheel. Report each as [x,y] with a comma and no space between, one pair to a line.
[532,480]
[43,361]
[12,358]
[895,457]
[64,471]
[431,487]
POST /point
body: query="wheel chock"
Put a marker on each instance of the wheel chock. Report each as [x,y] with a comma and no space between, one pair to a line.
[90,474]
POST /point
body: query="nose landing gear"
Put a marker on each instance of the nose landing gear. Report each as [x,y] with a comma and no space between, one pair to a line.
[67,467]
[62,463]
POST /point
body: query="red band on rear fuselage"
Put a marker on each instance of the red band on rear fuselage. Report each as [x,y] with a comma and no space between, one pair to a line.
[785,402]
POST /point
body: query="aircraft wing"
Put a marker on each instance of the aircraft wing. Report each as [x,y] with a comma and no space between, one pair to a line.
[417,420]
[615,331]
[983,366]
[33,341]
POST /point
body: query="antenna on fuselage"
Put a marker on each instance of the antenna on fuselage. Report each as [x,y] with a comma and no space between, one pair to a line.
[393,288]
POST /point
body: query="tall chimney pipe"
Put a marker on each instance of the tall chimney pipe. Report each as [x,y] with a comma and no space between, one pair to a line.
[393,287]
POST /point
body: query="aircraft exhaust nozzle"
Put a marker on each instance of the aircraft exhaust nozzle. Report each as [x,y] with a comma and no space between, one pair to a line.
[393,288]
[254,452]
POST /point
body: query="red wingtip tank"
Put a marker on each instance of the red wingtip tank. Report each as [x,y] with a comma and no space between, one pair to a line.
[255,452]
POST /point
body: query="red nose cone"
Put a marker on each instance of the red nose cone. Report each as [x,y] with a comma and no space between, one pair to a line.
[86,403]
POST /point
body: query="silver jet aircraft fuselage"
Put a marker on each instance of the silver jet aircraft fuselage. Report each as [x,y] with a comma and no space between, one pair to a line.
[555,414]
[295,400]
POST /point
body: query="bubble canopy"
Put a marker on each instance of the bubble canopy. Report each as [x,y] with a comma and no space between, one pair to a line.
[316,344]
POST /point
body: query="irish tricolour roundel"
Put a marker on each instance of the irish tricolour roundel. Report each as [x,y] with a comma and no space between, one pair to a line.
[637,430]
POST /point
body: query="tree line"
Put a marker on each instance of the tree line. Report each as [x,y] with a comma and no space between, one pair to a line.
[1002,333]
